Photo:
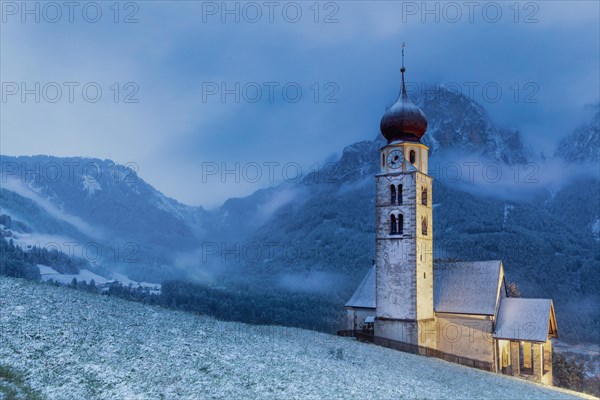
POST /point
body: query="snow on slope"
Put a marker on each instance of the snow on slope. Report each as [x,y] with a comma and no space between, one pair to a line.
[84,275]
[90,184]
[49,273]
[77,345]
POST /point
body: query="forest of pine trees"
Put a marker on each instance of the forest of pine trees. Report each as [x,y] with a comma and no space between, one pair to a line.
[16,262]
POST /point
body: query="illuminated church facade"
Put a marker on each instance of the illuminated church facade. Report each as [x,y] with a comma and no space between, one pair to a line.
[452,310]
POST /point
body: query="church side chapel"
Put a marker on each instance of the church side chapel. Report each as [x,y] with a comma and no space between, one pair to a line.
[458,311]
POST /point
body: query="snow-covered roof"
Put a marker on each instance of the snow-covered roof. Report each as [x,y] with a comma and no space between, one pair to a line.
[364,295]
[525,319]
[459,287]
[466,287]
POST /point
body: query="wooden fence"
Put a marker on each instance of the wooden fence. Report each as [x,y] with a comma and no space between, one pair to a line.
[416,349]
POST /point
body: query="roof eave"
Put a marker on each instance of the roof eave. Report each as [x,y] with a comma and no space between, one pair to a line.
[463,313]
[360,307]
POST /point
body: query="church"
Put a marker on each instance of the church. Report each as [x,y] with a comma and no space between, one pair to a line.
[458,311]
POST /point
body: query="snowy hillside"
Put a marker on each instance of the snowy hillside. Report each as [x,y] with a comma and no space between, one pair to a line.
[76,345]
[103,204]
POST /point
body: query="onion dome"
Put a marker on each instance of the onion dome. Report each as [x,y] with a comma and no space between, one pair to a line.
[404,120]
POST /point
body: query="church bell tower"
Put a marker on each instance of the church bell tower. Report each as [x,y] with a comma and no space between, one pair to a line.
[404,227]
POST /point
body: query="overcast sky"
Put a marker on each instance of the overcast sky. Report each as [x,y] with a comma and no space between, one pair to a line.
[162,68]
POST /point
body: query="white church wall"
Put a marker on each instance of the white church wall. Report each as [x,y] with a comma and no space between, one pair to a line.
[396,259]
[402,331]
[467,336]
[356,317]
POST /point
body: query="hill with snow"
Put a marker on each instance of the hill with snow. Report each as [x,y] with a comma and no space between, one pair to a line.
[77,345]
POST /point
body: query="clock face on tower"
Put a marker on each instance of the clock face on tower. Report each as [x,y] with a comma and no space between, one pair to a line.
[395,159]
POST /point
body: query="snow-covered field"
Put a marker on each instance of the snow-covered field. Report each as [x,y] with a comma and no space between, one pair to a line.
[78,345]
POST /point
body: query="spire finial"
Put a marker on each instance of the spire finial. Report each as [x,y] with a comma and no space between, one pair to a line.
[402,70]
[404,120]
[403,46]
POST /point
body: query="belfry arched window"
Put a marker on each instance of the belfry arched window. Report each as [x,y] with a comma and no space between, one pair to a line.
[396,224]
[399,194]
[424,196]
[424,226]
[393,194]
[382,160]
[412,156]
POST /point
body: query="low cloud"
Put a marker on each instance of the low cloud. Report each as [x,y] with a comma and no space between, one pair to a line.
[280,197]
[26,191]
[518,182]
[310,282]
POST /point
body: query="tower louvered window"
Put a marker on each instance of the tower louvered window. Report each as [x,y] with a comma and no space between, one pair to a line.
[399,194]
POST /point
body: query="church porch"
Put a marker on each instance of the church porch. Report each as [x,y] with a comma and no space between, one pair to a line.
[531,361]
[524,331]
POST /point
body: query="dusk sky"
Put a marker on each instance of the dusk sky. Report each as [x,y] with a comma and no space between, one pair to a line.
[168,115]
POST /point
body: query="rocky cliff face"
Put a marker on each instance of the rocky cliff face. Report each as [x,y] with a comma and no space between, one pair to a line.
[583,144]
[459,123]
